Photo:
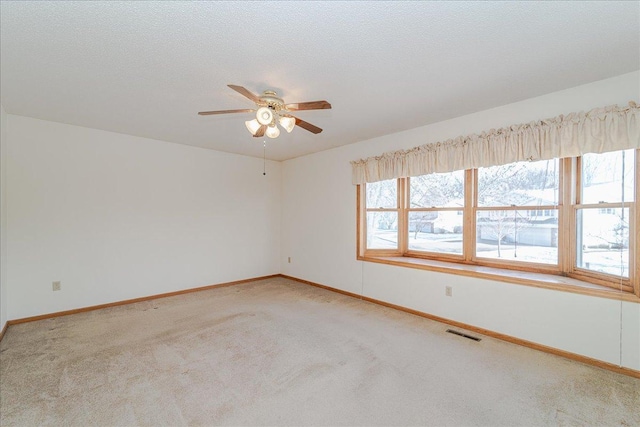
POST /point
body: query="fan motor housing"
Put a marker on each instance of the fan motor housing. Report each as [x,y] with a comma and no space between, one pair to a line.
[271,100]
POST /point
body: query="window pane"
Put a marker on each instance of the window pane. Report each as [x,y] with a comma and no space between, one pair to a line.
[517,235]
[603,240]
[519,184]
[437,190]
[608,177]
[436,231]
[382,194]
[382,230]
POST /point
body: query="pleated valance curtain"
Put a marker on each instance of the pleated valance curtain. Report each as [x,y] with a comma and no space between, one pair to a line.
[597,131]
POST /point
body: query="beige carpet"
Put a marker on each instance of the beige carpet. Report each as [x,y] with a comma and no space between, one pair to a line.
[276,352]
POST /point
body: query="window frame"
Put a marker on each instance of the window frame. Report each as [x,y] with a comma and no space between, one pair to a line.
[513,264]
[568,205]
[630,284]
[430,254]
[398,209]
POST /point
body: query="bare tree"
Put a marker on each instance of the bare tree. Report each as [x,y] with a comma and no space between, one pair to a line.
[511,185]
[502,227]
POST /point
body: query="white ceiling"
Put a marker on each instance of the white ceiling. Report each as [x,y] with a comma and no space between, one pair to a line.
[147,68]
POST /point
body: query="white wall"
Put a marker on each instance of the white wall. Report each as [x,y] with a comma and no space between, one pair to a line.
[319,234]
[3,219]
[115,217]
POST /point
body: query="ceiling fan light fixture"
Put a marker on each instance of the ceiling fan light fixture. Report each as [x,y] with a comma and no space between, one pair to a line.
[287,123]
[252,126]
[271,111]
[264,115]
[272,131]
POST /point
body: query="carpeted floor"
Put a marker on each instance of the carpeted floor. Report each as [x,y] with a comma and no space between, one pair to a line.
[276,352]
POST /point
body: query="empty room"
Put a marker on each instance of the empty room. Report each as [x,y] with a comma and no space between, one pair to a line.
[320,213]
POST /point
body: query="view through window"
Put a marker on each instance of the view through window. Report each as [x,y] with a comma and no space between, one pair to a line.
[603,213]
[382,215]
[436,204]
[517,212]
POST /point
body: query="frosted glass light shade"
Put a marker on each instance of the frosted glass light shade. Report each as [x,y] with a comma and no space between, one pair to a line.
[264,116]
[287,123]
[272,132]
[252,126]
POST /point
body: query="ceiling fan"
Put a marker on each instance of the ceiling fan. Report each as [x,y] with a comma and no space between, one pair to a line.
[271,110]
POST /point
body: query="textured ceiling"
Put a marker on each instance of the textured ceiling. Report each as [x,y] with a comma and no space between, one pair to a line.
[147,68]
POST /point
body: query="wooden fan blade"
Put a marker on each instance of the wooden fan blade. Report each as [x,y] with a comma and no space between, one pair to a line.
[312,105]
[208,113]
[306,125]
[260,132]
[246,92]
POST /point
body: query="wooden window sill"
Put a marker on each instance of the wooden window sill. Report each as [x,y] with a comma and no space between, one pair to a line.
[539,280]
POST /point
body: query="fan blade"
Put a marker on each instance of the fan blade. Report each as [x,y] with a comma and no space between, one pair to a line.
[246,92]
[312,105]
[260,132]
[306,125]
[208,113]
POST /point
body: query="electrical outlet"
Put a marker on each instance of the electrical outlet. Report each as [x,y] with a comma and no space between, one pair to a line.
[56,286]
[289,260]
[448,291]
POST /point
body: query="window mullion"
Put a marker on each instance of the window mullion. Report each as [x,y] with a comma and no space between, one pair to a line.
[361,221]
[634,245]
[566,215]
[469,228]
[402,215]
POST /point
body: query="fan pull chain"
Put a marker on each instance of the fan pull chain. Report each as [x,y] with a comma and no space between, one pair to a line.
[264,157]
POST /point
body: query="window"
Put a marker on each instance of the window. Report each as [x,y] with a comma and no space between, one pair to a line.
[574,217]
[506,227]
[382,215]
[436,204]
[603,212]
